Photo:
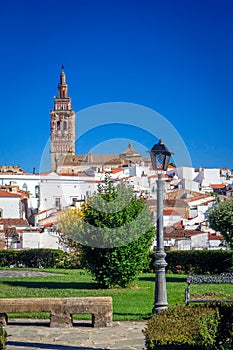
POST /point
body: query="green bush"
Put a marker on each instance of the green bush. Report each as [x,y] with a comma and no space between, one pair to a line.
[31,258]
[70,261]
[118,266]
[3,336]
[197,261]
[118,231]
[224,338]
[184,328]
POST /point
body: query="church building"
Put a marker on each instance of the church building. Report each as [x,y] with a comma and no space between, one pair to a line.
[62,141]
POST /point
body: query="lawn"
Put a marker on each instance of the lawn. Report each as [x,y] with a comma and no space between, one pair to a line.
[134,303]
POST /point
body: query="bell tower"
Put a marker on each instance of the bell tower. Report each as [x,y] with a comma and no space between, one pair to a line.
[62,125]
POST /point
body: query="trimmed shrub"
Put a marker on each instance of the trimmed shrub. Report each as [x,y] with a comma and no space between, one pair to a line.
[184,328]
[197,261]
[224,338]
[31,258]
[70,261]
[3,336]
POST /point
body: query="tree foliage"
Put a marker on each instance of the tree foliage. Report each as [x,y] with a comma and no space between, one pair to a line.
[70,222]
[220,218]
[115,233]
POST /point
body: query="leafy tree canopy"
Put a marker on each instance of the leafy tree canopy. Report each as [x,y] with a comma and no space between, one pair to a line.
[115,230]
[220,218]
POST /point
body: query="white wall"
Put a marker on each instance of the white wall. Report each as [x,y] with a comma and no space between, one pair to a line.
[184,244]
[31,240]
[169,220]
[46,239]
[200,241]
[209,176]
[189,185]
[187,173]
[31,181]
[66,188]
[10,207]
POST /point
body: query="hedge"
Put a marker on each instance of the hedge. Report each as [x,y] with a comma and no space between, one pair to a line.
[187,261]
[198,327]
[224,338]
[197,261]
[31,258]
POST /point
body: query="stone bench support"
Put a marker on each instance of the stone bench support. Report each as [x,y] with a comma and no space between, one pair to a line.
[61,309]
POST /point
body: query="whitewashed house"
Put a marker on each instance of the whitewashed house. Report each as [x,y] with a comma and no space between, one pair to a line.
[34,239]
[10,205]
[61,191]
[26,182]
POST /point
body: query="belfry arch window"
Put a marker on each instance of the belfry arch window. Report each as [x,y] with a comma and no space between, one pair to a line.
[58,125]
[64,125]
[25,187]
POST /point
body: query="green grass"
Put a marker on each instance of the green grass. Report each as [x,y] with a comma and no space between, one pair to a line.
[134,303]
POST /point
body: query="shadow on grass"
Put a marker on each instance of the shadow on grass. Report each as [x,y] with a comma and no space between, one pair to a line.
[168,279]
[142,317]
[52,285]
[18,344]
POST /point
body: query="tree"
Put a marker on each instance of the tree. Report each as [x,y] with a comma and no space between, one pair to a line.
[116,233]
[70,221]
[220,218]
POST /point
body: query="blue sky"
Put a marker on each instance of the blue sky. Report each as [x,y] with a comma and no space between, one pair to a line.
[172,56]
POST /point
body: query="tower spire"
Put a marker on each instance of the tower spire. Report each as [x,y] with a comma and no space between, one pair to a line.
[62,86]
[62,130]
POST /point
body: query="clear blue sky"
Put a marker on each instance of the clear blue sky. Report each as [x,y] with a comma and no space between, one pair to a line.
[173,56]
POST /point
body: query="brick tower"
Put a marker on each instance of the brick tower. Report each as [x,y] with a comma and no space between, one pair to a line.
[62,125]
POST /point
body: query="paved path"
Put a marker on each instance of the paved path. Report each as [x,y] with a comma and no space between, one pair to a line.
[29,334]
[36,335]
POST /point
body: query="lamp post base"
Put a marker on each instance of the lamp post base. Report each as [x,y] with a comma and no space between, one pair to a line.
[160,303]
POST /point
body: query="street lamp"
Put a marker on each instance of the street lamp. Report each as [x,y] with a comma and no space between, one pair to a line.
[160,157]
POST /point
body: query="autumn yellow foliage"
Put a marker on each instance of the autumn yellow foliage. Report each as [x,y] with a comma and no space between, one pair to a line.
[72,217]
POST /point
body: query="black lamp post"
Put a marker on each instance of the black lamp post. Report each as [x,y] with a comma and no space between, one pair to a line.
[160,157]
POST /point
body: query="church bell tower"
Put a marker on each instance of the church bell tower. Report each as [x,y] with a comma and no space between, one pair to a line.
[62,125]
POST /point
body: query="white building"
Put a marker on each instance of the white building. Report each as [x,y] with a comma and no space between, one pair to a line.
[61,191]
[10,205]
[26,182]
[35,239]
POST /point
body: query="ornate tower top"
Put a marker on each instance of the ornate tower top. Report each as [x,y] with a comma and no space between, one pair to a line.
[62,86]
[62,125]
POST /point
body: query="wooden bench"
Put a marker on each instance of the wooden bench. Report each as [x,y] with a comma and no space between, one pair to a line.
[61,309]
[224,278]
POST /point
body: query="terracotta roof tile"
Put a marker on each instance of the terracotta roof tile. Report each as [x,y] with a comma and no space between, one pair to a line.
[13,222]
[214,236]
[170,212]
[114,171]
[8,194]
[216,186]
[170,232]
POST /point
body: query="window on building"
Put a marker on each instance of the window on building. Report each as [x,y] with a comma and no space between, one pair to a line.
[58,203]
[1,213]
[37,191]
[25,187]
[64,125]
[58,125]
[74,200]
